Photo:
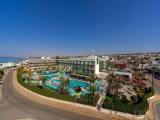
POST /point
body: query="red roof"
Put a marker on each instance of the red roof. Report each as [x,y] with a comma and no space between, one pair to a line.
[139,81]
[120,65]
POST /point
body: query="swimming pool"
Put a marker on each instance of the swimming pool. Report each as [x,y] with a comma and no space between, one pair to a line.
[54,84]
[77,83]
[51,75]
[72,83]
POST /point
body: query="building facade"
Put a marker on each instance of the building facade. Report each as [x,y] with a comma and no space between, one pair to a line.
[103,63]
[6,65]
[89,65]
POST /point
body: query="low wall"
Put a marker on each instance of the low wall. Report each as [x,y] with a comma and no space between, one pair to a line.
[75,107]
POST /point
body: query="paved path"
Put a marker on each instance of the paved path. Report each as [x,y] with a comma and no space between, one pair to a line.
[156,87]
[157,104]
[157,111]
[13,106]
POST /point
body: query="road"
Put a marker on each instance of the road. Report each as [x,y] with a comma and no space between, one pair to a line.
[156,87]
[157,104]
[13,106]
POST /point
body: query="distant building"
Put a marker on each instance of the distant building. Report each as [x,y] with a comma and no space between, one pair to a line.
[103,63]
[124,73]
[45,57]
[6,65]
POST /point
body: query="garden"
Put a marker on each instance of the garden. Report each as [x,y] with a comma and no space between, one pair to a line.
[60,85]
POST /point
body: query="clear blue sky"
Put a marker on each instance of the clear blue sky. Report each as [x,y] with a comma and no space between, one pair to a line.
[70,27]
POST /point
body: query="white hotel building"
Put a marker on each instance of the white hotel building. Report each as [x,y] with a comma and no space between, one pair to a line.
[6,65]
[89,65]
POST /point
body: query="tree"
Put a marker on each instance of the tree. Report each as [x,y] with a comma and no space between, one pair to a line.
[64,84]
[92,90]
[134,98]
[91,97]
[116,85]
[1,73]
[91,79]
[62,72]
[44,80]
[78,72]
[141,74]
[110,78]
[111,66]
[140,86]
[29,78]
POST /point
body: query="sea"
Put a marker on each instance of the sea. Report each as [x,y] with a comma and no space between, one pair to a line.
[10,59]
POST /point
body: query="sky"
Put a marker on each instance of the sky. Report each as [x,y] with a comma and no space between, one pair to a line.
[78,27]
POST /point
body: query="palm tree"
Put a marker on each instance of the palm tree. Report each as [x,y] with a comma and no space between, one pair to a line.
[78,72]
[44,80]
[116,85]
[111,66]
[110,78]
[91,96]
[64,84]
[29,78]
[92,90]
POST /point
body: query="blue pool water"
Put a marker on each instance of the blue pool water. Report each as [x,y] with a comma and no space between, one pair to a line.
[54,83]
[47,73]
[49,77]
[72,83]
[76,83]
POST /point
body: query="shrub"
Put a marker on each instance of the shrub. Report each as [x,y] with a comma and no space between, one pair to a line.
[124,99]
[134,99]
[1,73]
[88,99]
[138,108]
